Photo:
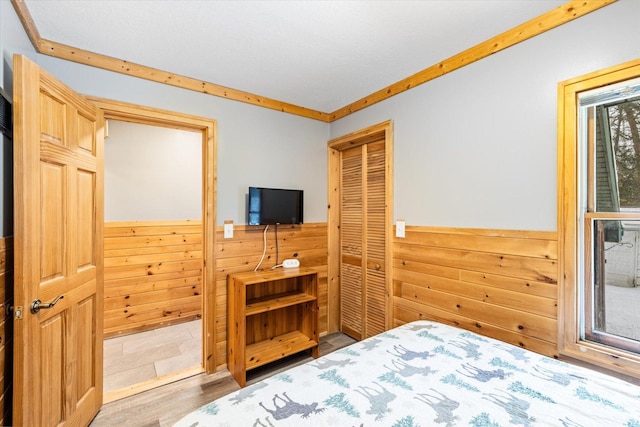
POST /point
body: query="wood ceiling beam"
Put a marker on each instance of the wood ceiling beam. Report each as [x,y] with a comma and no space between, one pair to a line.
[561,15]
[571,10]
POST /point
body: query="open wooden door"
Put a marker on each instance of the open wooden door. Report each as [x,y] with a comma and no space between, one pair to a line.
[58,174]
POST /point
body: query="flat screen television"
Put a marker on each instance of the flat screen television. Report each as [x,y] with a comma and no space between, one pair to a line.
[268,206]
[6,123]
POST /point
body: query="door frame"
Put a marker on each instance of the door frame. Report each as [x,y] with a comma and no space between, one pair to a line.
[116,110]
[364,136]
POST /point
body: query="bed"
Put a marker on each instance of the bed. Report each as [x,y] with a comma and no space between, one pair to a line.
[426,374]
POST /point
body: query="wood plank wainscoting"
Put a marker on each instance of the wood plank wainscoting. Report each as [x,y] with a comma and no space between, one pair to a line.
[152,274]
[499,283]
[306,243]
[6,329]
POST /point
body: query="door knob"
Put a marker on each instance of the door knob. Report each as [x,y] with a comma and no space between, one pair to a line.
[36,305]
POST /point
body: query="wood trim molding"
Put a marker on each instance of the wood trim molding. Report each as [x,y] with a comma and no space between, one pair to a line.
[57,50]
[570,343]
[571,10]
[377,132]
[554,18]
[93,59]
[361,137]
[487,232]
[155,223]
[208,127]
[27,22]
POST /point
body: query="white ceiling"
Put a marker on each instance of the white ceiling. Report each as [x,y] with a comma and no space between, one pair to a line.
[321,55]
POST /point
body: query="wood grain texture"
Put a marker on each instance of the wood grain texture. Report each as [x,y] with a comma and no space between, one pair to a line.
[272,314]
[360,218]
[93,59]
[306,242]
[501,284]
[6,329]
[153,274]
[115,110]
[352,223]
[58,181]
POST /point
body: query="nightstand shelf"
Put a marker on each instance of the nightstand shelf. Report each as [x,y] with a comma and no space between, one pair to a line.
[272,315]
[276,302]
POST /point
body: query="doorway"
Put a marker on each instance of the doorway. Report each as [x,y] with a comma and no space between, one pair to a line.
[153,255]
[360,231]
[195,237]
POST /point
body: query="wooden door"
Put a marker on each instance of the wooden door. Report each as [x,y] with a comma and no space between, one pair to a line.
[375,237]
[58,160]
[351,240]
[363,239]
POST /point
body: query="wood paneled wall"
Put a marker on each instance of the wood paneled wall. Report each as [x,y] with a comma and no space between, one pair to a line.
[152,274]
[6,329]
[498,283]
[306,243]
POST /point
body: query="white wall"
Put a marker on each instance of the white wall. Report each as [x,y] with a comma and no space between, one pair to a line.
[13,39]
[474,148]
[256,146]
[11,34]
[152,173]
[477,147]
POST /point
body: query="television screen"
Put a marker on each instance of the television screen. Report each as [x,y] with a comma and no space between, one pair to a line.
[6,124]
[274,206]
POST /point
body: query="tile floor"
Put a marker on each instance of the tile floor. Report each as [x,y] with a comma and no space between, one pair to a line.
[135,358]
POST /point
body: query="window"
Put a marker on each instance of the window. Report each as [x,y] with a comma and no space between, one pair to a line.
[599,218]
[609,137]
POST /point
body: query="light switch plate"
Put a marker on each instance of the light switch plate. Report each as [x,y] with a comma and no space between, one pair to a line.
[400,228]
[228,230]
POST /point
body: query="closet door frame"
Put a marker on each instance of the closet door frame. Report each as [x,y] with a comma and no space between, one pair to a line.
[364,136]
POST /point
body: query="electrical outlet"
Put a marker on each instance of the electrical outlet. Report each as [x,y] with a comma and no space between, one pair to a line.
[228,230]
[400,228]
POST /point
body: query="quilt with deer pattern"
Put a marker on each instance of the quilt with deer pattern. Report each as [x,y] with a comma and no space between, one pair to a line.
[428,374]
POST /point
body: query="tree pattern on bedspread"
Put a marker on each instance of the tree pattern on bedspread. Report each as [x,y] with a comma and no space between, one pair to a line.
[428,374]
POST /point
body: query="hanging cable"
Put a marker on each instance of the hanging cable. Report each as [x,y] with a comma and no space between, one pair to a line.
[264,247]
[277,265]
[276,244]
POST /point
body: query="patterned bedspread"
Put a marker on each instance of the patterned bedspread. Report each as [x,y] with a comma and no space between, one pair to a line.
[427,374]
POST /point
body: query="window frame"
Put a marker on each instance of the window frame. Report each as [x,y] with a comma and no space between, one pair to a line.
[591,332]
[570,257]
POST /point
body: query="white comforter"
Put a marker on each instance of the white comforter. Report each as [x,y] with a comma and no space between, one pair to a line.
[427,374]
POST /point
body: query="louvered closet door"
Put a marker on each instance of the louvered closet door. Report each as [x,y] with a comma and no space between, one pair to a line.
[362,237]
[375,237]
[351,226]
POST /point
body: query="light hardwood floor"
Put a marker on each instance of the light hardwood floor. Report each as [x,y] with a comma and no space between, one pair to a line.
[165,405]
[144,356]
